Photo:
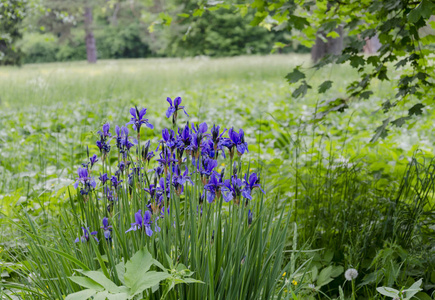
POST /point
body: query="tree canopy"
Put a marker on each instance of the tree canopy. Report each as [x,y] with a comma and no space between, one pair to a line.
[403,27]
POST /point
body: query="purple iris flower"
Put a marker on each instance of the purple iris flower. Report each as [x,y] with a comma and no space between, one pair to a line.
[196,138]
[232,189]
[119,134]
[107,229]
[201,128]
[109,193]
[138,120]
[217,138]
[250,184]
[86,181]
[236,140]
[207,166]
[163,190]
[156,195]
[213,188]
[249,217]
[104,143]
[158,171]
[146,153]
[103,146]
[115,182]
[168,139]
[178,179]
[208,149]
[103,178]
[121,166]
[172,109]
[151,191]
[105,133]
[166,158]
[140,223]
[93,160]
[123,141]
[184,137]
[181,178]
[216,134]
[85,237]
[239,140]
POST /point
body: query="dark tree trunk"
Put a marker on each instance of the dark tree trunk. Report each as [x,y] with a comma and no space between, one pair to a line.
[330,46]
[91,48]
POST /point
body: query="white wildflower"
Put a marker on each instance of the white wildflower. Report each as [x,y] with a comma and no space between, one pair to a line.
[351,274]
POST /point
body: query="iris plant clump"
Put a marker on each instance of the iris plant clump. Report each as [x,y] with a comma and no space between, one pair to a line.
[189,198]
[187,151]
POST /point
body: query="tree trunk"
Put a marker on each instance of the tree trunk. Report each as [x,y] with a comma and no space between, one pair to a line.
[372,45]
[91,48]
[114,20]
[330,46]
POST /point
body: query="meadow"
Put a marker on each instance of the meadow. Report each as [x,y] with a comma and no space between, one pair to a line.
[333,200]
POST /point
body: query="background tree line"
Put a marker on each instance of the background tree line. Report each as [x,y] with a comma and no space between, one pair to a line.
[61,30]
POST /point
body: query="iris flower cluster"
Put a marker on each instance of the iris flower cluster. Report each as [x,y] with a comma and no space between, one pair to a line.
[181,153]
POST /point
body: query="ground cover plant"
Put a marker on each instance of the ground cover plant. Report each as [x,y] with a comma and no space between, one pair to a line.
[336,202]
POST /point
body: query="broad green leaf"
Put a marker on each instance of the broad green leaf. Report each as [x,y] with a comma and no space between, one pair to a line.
[101,279]
[416,110]
[381,131]
[413,289]
[365,95]
[336,271]
[120,269]
[400,121]
[333,34]
[324,276]
[389,292]
[106,295]
[86,282]
[198,12]
[326,85]
[82,295]
[298,22]
[329,255]
[136,268]
[301,90]
[314,273]
[356,61]
[148,280]
[295,76]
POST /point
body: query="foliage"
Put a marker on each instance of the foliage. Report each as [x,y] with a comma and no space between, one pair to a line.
[222,33]
[353,204]
[135,275]
[397,23]
[404,294]
[53,30]
[12,13]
